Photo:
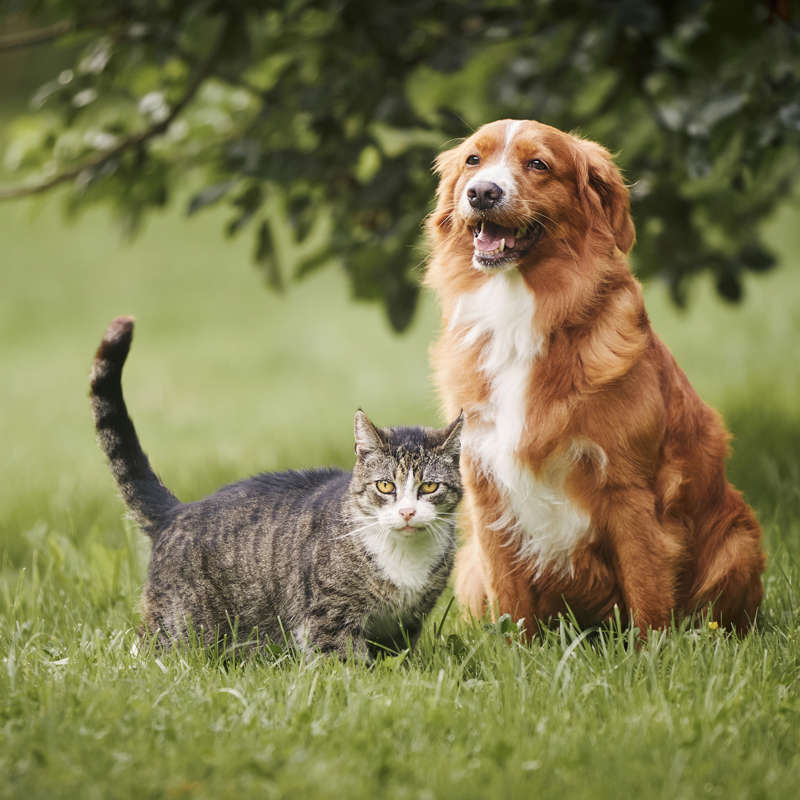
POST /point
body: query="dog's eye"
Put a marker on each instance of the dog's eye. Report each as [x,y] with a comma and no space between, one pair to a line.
[536,163]
[473,160]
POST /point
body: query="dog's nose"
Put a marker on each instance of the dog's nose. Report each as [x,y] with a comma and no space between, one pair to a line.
[406,513]
[483,194]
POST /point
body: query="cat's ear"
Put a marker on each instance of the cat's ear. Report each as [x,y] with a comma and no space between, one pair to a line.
[366,434]
[451,437]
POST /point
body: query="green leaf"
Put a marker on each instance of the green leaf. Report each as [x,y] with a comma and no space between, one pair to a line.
[714,111]
[729,283]
[265,257]
[401,302]
[506,625]
[790,116]
[209,196]
[311,263]
[756,257]
[457,646]
[249,202]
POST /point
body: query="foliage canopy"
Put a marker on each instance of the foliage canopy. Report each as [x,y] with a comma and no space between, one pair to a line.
[327,114]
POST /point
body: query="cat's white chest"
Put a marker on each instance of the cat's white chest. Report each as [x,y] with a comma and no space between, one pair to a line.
[547,524]
[405,561]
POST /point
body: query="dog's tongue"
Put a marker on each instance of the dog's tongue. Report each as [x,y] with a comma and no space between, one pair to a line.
[491,235]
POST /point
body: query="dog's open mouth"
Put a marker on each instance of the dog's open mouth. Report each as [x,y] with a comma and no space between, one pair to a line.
[496,245]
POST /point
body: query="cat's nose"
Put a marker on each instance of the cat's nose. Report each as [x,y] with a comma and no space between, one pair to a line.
[406,513]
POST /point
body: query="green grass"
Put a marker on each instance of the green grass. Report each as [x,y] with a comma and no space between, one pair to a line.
[226,379]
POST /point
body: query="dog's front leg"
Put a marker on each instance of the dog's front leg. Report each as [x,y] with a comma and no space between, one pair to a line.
[471,586]
[647,557]
[509,584]
[489,574]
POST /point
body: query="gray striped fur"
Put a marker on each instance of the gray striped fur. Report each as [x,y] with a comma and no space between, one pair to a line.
[306,555]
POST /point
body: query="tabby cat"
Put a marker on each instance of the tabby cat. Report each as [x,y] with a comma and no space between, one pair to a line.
[335,561]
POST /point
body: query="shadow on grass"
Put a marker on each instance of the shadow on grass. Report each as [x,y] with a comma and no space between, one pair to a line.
[766,467]
[766,461]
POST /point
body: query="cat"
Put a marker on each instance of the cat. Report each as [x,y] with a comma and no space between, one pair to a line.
[335,561]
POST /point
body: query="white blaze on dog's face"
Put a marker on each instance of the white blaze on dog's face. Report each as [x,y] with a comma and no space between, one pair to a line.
[497,170]
[516,183]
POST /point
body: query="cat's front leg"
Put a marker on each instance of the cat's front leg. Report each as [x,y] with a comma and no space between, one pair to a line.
[321,634]
[352,642]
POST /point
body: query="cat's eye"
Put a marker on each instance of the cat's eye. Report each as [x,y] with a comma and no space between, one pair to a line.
[385,487]
[428,488]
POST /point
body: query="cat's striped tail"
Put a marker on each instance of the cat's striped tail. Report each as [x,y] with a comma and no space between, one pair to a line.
[149,501]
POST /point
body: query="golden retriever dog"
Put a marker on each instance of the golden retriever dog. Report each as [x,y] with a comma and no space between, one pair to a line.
[594,474]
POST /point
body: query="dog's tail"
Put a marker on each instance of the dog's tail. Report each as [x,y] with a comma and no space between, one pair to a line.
[149,501]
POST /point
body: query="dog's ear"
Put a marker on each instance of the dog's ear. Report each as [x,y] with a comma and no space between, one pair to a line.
[599,177]
[446,167]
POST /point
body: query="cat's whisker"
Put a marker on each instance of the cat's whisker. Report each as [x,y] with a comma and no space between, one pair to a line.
[440,530]
[356,531]
[352,531]
[444,535]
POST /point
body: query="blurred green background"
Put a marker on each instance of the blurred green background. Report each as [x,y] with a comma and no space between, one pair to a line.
[227,378]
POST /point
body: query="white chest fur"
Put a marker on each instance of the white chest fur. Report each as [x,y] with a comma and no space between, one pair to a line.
[546,524]
[407,561]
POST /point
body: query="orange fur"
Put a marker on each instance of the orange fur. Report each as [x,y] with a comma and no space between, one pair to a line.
[667,535]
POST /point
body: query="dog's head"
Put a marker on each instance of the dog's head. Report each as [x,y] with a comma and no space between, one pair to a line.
[518,187]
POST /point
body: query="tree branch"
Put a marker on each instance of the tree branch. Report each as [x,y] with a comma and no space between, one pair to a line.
[48,33]
[30,38]
[129,142]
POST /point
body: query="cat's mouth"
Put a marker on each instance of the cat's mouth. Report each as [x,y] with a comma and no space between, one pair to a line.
[407,529]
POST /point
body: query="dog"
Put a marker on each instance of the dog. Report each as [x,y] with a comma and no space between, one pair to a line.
[594,474]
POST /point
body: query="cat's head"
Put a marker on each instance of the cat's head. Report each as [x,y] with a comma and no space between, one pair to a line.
[406,479]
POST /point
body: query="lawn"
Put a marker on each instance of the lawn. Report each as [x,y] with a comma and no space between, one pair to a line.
[226,379]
